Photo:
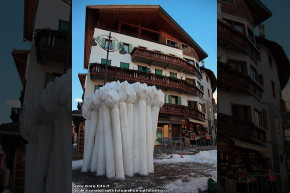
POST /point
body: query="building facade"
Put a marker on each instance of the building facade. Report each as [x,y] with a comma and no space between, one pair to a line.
[160,53]
[252,72]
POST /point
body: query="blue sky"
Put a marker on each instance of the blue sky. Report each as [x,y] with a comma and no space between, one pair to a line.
[196,17]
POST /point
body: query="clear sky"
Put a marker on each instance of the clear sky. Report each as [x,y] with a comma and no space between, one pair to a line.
[11,38]
[196,17]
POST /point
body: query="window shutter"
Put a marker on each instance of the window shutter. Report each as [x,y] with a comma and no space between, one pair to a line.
[140,68]
[179,100]
[63,25]
[103,42]
[130,48]
[169,99]
[148,70]
[121,45]
[124,65]
[165,98]
[113,45]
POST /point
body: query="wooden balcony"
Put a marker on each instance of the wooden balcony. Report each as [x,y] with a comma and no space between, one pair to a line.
[227,35]
[181,110]
[240,129]
[163,60]
[51,46]
[229,78]
[97,71]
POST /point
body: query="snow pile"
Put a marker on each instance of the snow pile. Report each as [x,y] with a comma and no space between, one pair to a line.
[46,124]
[121,122]
[76,164]
[201,157]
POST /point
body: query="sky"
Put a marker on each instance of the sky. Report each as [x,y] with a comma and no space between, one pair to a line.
[11,38]
[196,17]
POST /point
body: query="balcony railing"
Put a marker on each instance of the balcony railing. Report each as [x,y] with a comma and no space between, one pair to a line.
[244,130]
[51,45]
[230,78]
[181,110]
[238,39]
[115,73]
[163,60]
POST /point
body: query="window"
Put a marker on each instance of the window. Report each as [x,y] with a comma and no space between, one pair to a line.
[208,93]
[97,87]
[200,107]
[143,69]
[258,118]
[184,47]
[198,85]
[159,72]
[174,99]
[189,61]
[126,47]
[253,74]
[124,65]
[273,89]
[192,104]
[239,66]
[277,129]
[241,112]
[50,77]
[173,75]
[104,61]
[107,44]
[238,26]
[206,78]
[190,81]
[172,43]
[63,25]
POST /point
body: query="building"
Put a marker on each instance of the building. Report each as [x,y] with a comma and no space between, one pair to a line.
[47,27]
[160,53]
[252,72]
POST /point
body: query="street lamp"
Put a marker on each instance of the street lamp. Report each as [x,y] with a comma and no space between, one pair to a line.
[107,47]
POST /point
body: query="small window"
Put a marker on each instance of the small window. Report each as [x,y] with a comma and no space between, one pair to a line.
[253,73]
[258,118]
[126,47]
[104,61]
[184,47]
[208,93]
[174,99]
[159,72]
[124,65]
[189,61]
[143,69]
[112,44]
[172,43]
[63,25]
[198,85]
[273,89]
[173,74]
[206,78]
[200,107]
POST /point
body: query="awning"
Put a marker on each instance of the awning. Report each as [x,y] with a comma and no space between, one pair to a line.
[197,121]
[245,145]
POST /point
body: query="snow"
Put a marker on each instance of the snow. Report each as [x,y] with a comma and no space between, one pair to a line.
[187,187]
[77,164]
[209,157]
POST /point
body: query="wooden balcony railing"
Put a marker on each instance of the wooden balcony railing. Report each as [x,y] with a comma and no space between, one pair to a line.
[238,39]
[51,45]
[163,60]
[229,78]
[181,110]
[240,129]
[97,71]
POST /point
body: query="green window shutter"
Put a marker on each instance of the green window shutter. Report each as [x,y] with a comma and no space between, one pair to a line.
[103,61]
[148,70]
[96,87]
[179,100]
[140,68]
[165,98]
[63,25]
[113,44]
[130,48]
[124,65]
[170,99]
[103,42]
[172,74]
[159,72]
[121,45]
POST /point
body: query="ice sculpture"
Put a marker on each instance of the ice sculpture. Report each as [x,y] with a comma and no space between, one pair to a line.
[122,133]
[46,124]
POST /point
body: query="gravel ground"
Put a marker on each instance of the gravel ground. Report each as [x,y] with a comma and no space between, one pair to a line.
[164,174]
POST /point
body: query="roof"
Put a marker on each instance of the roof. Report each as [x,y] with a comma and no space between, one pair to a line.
[259,10]
[212,78]
[151,16]
[20,59]
[281,58]
[82,78]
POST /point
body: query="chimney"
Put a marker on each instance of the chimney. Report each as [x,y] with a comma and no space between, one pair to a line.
[202,64]
[261,31]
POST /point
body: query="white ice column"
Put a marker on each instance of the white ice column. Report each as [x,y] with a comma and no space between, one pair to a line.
[100,141]
[135,133]
[126,143]
[112,100]
[149,102]
[158,103]
[142,94]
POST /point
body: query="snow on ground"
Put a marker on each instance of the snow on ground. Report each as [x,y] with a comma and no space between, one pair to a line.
[77,164]
[209,157]
[192,186]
